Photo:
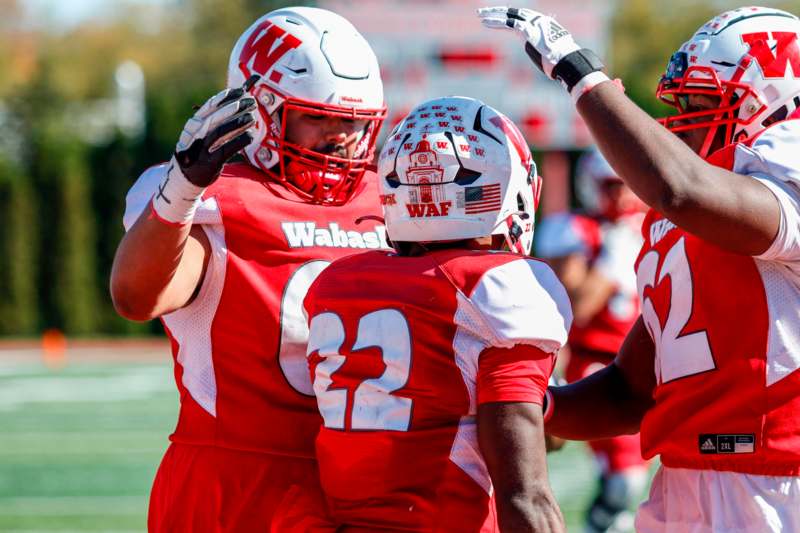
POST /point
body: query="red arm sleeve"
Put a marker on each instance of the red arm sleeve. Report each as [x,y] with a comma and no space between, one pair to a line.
[517,374]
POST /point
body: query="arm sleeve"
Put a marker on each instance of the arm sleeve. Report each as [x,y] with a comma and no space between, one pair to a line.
[786,246]
[518,374]
[774,160]
[522,302]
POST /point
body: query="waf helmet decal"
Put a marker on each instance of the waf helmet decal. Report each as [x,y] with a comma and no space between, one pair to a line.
[427,198]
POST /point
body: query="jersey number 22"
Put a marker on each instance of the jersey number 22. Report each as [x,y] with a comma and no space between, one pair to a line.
[374,405]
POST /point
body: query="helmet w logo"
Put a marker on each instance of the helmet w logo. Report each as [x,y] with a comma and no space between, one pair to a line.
[261,45]
[774,64]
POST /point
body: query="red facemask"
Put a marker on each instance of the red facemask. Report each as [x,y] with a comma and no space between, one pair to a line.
[314,176]
[681,81]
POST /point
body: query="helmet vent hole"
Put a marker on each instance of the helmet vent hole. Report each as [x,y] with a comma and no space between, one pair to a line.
[779,114]
[293,21]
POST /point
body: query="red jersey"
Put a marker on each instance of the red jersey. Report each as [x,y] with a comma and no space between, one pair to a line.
[726,328]
[611,246]
[239,347]
[402,351]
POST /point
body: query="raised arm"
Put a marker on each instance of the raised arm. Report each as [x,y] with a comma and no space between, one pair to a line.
[161,261]
[733,211]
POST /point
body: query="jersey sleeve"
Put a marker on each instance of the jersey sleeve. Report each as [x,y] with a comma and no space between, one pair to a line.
[774,160]
[522,302]
[556,237]
[518,374]
[141,194]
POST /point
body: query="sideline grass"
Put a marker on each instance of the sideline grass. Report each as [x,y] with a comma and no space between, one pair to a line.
[79,446]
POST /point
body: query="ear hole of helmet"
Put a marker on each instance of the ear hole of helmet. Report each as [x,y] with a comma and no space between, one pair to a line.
[521,203]
[780,114]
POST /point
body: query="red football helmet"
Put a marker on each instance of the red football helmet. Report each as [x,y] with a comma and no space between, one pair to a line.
[313,61]
[748,58]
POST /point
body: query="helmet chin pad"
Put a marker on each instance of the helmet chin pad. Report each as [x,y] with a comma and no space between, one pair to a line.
[322,186]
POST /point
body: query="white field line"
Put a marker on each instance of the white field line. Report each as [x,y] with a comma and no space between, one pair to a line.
[131,383]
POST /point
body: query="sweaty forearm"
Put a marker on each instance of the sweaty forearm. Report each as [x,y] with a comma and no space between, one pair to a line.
[598,406]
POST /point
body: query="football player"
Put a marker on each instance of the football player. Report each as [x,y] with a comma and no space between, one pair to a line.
[430,363]
[223,254]
[592,252]
[710,369]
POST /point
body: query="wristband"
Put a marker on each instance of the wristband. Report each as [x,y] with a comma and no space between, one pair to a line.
[575,66]
[177,198]
[589,82]
[547,406]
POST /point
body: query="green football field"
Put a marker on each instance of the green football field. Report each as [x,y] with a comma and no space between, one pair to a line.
[79,445]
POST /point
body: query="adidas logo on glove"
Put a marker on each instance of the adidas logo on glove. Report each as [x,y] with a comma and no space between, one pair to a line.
[556,32]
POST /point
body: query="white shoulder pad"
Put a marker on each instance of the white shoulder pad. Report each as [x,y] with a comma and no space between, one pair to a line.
[776,153]
[140,194]
[522,302]
[556,237]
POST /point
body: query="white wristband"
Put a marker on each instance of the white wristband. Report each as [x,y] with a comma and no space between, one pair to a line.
[177,198]
[587,83]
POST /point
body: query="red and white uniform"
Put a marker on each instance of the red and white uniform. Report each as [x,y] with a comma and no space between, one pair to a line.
[727,333]
[612,247]
[239,348]
[403,350]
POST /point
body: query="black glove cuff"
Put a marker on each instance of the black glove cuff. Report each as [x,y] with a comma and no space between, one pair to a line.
[574,66]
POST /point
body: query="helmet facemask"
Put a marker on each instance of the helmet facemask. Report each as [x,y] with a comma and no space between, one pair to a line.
[682,81]
[748,59]
[315,176]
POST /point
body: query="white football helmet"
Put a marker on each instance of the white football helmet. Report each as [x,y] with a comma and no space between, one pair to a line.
[748,57]
[314,61]
[456,169]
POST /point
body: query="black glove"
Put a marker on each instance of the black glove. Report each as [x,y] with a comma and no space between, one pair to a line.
[217,131]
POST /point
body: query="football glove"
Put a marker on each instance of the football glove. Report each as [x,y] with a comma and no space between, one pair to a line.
[549,45]
[216,132]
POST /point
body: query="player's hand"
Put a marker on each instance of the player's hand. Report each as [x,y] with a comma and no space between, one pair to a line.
[216,132]
[549,45]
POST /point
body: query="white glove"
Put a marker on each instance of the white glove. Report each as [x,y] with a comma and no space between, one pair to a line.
[547,43]
[217,131]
